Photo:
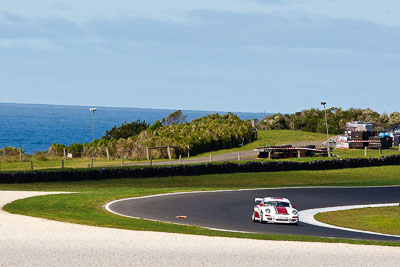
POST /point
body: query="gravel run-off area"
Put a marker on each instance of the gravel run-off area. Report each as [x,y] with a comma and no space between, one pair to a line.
[27,241]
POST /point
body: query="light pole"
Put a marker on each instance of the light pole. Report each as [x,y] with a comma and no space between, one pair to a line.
[327,133]
[93,110]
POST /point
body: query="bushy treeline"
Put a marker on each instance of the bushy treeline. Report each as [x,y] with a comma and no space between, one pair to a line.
[313,120]
[208,133]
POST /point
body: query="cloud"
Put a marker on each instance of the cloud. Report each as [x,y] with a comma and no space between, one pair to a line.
[12,25]
[384,12]
[208,28]
[274,2]
[31,43]
[17,31]
[205,28]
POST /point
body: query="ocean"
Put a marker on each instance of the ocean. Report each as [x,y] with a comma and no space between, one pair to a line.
[34,127]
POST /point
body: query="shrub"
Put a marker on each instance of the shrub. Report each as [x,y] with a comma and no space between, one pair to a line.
[11,154]
[42,156]
[126,130]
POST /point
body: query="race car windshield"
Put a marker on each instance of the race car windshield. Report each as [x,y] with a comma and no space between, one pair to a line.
[277,204]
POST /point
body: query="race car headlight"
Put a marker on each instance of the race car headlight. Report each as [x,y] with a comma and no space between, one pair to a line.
[267,211]
[294,212]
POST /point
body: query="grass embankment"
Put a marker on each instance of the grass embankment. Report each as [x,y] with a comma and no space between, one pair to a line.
[382,220]
[86,206]
[273,138]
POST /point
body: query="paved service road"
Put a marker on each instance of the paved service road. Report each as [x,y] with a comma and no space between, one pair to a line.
[232,210]
[231,156]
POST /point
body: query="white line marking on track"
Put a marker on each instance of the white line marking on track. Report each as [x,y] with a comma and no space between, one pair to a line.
[307,216]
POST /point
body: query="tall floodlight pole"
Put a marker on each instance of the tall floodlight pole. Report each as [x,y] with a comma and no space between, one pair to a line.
[93,110]
[327,133]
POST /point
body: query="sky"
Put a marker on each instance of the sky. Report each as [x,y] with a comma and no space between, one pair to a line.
[227,55]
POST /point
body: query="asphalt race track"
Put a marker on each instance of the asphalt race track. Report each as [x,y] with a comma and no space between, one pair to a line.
[232,210]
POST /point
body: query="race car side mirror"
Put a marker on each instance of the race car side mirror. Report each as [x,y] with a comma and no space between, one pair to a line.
[294,206]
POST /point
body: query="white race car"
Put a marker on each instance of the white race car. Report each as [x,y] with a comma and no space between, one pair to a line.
[275,210]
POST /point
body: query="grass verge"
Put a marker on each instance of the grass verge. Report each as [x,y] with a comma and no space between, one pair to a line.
[86,206]
[384,220]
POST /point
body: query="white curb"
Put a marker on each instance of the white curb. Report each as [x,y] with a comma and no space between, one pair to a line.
[307,216]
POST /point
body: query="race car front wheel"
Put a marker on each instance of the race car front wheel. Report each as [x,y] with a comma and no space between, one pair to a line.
[261,218]
[253,217]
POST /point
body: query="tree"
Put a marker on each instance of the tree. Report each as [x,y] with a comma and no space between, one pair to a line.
[155,126]
[176,117]
[394,119]
[383,122]
[368,115]
[126,130]
[278,122]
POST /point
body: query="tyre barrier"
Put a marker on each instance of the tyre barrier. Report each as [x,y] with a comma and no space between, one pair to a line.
[191,170]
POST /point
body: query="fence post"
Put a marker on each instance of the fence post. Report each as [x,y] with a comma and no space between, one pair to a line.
[169,153]
[20,154]
[150,157]
[238,156]
[64,154]
[365,151]
[188,147]
[180,159]
[31,165]
[298,154]
[269,154]
[210,158]
[62,164]
[108,153]
[380,151]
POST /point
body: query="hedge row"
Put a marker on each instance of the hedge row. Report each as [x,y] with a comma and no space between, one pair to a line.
[189,170]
